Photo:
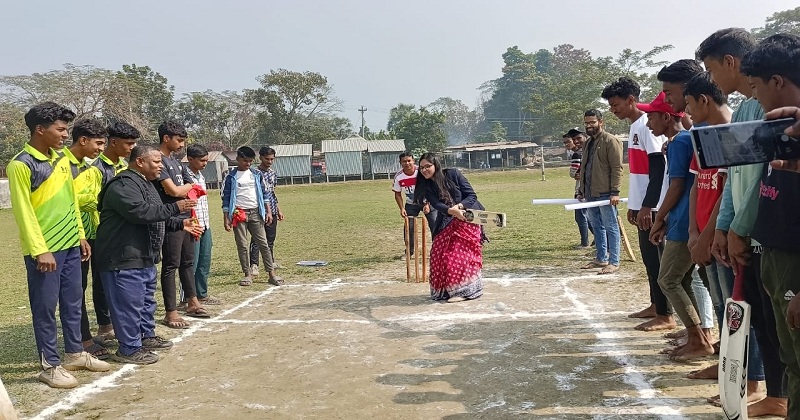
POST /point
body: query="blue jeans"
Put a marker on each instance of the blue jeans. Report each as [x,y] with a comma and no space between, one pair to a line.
[582,219]
[131,297]
[606,231]
[202,263]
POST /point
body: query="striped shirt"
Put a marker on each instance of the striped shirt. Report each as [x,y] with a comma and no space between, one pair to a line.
[202,203]
[44,202]
[270,181]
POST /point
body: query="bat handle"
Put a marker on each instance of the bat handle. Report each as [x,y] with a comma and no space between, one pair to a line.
[738,283]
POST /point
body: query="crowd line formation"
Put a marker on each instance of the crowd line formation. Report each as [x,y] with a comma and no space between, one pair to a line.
[699,227]
[112,209]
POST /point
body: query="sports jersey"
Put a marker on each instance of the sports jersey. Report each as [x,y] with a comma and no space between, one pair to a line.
[44,202]
[679,157]
[709,189]
[108,168]
[641,143]
[405,184]
[88,182]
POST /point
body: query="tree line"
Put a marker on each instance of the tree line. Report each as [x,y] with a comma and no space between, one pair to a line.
[539,94]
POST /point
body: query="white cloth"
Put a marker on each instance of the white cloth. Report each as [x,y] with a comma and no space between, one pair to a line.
[246,190]
[405,183]
[642,142]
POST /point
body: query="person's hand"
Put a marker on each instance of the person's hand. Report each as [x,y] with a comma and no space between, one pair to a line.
[792,165]
[644,219]
[580,198]
[577,176]
[227,223]
[631,216]
[191,226]
[86,250]
[46,262]
[280,215]
[719,248]
[739,249]
[269,219]
[426,208]
[793,314]
[614,200]
[457,212]
[701,252]
[694,235]
[403,213]
[186,204]
[657,234]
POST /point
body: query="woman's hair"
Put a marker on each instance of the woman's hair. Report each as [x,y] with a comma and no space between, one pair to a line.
[438,179]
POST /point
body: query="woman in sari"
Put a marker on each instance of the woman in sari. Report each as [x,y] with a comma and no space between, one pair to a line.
[456,258]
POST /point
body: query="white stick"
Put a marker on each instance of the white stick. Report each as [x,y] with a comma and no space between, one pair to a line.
[536,201]
[590,204]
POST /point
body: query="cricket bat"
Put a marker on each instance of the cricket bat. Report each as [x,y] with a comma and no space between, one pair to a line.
[734,343]
[483,217]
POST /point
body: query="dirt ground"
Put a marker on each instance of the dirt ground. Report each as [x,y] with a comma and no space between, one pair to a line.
[551,344]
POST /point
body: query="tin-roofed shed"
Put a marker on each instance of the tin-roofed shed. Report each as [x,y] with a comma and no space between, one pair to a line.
[344,157]
[215,171]
[384,156]
[293,161]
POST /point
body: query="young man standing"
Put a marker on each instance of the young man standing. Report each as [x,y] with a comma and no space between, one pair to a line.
[45,207]
[245,210]
[673,78]
[404,182]
[773,70]
[133,221]
[645,193]
[601,176]
[178,252]
[675,272]
[572,139]
[88,140]
[197,155]
[122,138]
[270,178]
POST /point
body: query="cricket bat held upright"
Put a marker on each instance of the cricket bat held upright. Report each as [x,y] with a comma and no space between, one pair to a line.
[734,344]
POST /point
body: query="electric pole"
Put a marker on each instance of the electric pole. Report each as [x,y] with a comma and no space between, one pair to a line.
[362,110]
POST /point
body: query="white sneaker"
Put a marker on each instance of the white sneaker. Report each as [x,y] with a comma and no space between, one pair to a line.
[85,361]
[254,270]
[57,377]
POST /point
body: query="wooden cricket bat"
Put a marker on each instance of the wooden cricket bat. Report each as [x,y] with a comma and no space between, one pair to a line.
[734,344]
[483,217]
[625,242]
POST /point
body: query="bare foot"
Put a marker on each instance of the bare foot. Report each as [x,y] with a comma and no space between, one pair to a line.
[769,406]
[676,334]
[677,342]
[753,395]
[648,312]
[660,322]
[716,347]
[670,350]
[710,372]
[692,351]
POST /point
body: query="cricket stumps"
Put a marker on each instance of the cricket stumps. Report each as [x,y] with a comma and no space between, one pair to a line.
[419,245]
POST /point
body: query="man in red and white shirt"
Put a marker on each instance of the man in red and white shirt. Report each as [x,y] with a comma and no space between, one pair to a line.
[404,182]
[648,185]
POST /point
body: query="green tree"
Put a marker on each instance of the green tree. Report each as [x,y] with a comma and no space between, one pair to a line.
[397,114]
[787,21]
[204,114]
[13,132]
[148,95]
[422,129]
[460,122]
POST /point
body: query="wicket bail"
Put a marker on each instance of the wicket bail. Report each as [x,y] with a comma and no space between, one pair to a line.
[420,241]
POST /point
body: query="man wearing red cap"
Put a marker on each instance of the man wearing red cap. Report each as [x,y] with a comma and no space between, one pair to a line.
[647,186]
[675,274]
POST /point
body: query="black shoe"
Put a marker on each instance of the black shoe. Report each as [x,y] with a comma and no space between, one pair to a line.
[156,343]
[141,357]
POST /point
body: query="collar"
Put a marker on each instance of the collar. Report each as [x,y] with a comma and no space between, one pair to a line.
[120,163]
[38,155]
[74,160]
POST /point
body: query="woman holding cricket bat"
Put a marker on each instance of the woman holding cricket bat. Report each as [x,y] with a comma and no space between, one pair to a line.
[456,257]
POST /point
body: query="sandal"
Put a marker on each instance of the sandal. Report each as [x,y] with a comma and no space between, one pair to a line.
[208,300]
[97,351]
[275,280]
[178,324]
[247,281]
[198,313]
[105,340]
[609,269]
[594,264]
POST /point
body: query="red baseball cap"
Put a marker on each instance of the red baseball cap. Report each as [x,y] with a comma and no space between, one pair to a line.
[658,105]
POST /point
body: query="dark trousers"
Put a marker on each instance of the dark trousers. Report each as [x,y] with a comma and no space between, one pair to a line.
[781,276]
[61,287]
[651,257]
[132,299]
[98,298]
[202,263]
[762,319]
[412,211]
[271,232]
[178,255]
[582,219]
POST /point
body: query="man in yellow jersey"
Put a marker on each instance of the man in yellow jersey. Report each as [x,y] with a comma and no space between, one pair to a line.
[45,207]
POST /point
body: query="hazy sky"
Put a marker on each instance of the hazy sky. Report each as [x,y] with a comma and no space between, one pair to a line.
[375,53]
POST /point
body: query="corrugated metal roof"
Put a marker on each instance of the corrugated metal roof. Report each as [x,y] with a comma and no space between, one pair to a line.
[212,156]
[398,145]
[292,149]
[350,144]
[476,147]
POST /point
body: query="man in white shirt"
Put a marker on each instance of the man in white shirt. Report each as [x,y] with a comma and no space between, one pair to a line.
[647,186]
[404,182]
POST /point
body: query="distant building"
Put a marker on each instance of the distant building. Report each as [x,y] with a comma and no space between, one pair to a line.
[215,171]
[344,158]
[505,154]
[384,156]
[293,161]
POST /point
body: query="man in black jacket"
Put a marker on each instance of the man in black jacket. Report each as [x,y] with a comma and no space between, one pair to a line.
[129,238]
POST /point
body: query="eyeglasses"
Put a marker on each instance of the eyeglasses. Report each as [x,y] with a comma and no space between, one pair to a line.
[428,166]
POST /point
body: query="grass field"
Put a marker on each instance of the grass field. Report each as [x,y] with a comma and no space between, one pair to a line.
[354,225]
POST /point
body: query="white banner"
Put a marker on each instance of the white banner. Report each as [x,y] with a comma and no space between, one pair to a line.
[590,204]
[562,201]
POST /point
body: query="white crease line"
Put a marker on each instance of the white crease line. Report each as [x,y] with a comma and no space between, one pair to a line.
[632,376]
[286,321]
[81,393]
[456,316]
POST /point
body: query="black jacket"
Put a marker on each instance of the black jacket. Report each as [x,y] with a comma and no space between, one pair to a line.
[132,223]
[460,191]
